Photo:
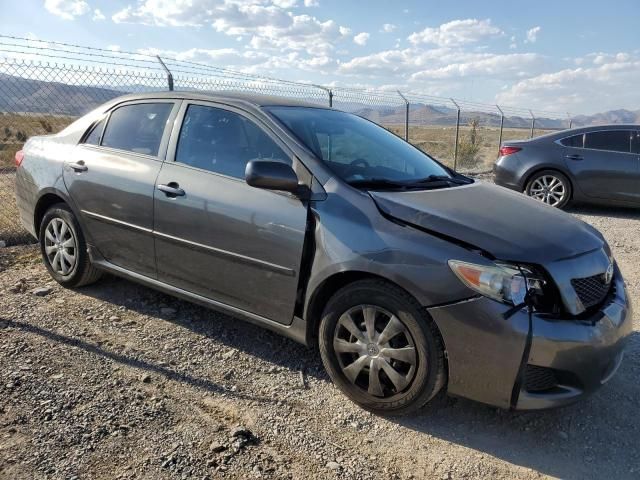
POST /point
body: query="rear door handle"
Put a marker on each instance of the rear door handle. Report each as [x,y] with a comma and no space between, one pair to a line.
[171,190]
[79,166]
[574,156]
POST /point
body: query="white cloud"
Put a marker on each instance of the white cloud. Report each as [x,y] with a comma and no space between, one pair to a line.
[67,9]
[361,39]
[285,3]
[504,66]
[267,23]
[311,3]
[388,27]
[608,83]
[532,34]
[98,15]
[456,32]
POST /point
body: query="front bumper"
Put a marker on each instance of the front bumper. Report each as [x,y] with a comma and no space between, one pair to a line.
[488,356]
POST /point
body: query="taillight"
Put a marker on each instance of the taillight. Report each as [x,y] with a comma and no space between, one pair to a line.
[19,157]
[504,151]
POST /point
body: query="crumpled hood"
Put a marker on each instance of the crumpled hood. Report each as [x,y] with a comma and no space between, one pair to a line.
[507,224]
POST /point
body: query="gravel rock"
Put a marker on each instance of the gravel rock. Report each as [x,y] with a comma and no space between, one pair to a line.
[42,291]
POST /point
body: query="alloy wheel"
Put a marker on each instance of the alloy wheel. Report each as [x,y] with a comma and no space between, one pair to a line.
[548,189]
[375,350]
[60,246]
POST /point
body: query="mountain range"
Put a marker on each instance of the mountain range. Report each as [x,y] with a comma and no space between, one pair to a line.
[20,95]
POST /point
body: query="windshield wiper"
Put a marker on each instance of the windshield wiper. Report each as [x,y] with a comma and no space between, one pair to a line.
[432,181]
[442,178]
[378,183]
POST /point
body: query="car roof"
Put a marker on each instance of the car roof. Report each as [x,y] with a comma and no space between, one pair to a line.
[596,128]
[228,97]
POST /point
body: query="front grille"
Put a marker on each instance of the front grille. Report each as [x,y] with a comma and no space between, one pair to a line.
[539,379]
[591,290]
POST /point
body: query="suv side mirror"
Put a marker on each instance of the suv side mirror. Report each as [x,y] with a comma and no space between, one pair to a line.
[271,175]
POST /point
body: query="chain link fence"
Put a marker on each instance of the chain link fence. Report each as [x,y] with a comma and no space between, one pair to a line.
[44,86]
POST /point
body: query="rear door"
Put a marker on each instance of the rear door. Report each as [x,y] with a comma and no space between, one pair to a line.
[603,164]
[111,179]
[217,236]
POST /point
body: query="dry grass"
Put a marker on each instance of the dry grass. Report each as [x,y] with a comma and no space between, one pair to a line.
[16,128]
[11,230]
[439,142]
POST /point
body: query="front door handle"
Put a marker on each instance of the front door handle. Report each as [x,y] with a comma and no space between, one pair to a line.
[78,166]
[171,190]
[574,156]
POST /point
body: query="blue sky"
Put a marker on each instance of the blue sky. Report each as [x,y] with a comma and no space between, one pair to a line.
[576,56]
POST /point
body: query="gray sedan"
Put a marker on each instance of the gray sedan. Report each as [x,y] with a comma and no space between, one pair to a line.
[320,225]
[591,165]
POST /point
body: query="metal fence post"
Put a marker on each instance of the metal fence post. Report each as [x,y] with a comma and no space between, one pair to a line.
[533,123]
[501,128]
[169,74]
[406,116]
[329,92]
[455,148]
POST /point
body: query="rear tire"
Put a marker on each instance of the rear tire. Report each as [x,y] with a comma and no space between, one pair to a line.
[64,248]
[550,187]
[392,373]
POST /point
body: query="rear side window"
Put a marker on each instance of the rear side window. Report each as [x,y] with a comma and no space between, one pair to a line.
[137,128]
[223,142]
[575,141]
[612,140]
[96,132]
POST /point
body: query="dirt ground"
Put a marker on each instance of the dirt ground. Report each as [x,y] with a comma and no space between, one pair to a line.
[118,381]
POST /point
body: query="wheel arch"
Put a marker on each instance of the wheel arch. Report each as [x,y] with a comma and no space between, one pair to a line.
[46,200]
[332,284]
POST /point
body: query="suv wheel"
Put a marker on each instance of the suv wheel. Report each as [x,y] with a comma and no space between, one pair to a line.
[550,187]
[64,249]
[381,348]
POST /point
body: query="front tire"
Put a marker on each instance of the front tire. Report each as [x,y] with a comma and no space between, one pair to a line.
[550,187]
[380,348]
[64,249]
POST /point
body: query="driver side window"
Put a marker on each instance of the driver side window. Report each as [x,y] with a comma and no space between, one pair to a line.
[223,142]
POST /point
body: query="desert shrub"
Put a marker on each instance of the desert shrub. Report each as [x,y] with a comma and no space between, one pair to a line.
[469,145]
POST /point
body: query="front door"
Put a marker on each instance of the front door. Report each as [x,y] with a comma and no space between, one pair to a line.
[605,167]
[217,236]
[111,178]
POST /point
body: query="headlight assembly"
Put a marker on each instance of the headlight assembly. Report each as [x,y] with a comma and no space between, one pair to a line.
[502,282]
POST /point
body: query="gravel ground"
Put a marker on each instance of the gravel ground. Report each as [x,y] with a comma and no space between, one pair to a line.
[118,381]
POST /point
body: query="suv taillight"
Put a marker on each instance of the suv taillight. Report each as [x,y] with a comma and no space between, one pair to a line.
[504,151]
[19,157]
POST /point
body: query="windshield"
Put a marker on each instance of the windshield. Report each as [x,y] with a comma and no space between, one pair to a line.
[355,149]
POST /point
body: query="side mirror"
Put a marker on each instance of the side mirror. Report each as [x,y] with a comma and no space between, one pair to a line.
[271,175]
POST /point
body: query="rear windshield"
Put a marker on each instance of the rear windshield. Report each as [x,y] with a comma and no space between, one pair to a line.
[355,148]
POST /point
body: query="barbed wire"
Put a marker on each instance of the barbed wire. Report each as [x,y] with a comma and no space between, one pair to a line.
[148,61]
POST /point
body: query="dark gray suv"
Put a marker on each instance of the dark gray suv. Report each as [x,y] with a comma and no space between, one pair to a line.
[329,229]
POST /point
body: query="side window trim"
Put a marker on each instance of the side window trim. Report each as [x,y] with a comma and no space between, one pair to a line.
[164,141]
[177,127]
[94,124]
